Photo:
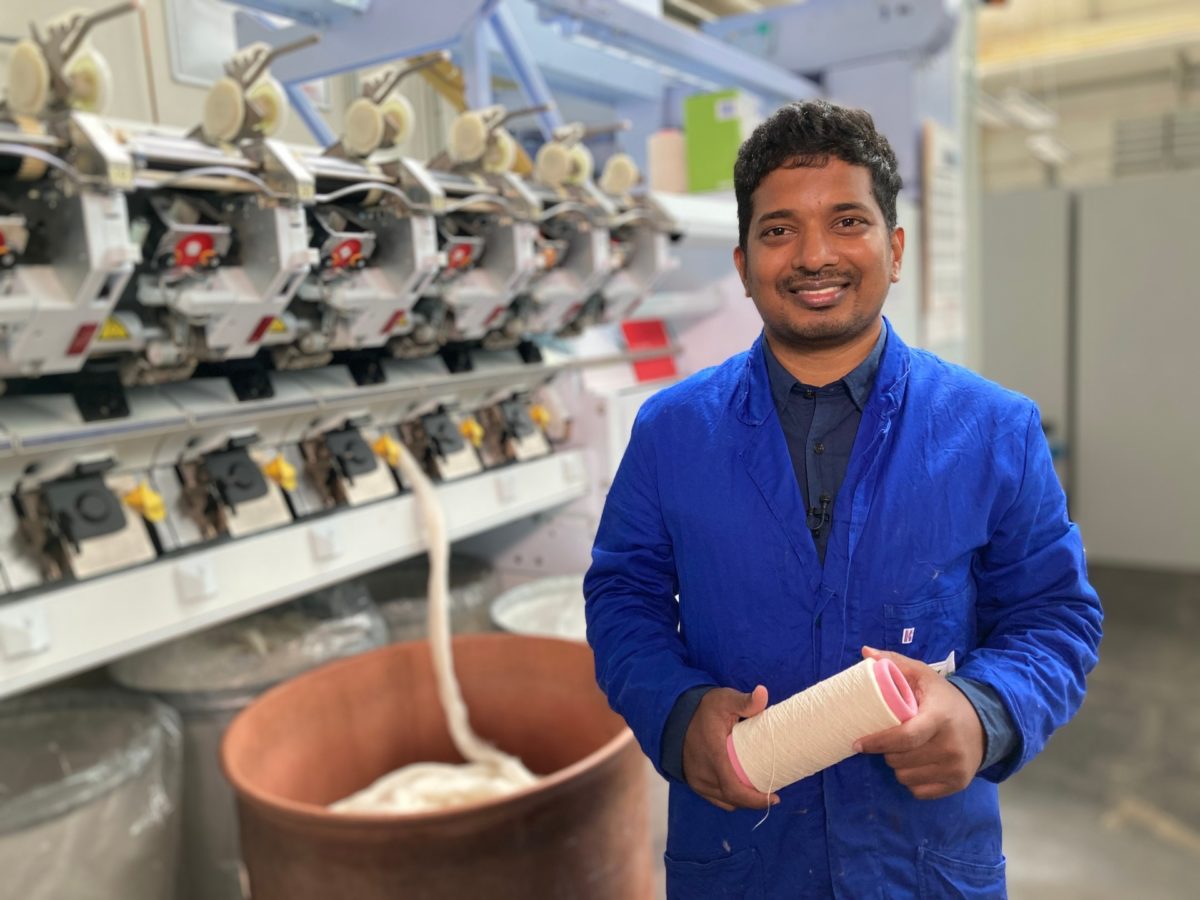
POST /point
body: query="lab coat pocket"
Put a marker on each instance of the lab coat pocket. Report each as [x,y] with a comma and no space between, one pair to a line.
[943,877]
[929,630]
[738,875]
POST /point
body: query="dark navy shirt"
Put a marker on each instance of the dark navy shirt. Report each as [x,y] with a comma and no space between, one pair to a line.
[820,424]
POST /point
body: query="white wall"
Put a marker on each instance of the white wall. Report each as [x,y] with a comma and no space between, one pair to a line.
[1135,461]
[1024,315]
[1139,323]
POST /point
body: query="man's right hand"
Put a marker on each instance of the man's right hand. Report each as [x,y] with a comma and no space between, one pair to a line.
[706,764]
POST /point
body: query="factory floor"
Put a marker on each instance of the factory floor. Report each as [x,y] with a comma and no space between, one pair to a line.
[1111,809]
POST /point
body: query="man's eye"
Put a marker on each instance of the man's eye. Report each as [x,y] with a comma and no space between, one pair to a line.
[777,231]
[850,222]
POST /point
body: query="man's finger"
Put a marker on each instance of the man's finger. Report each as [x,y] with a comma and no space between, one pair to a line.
[755,702]
[914,733]
[925,755]
[740,795]
[919,775]
[932,791]
[909,667]
[718,802]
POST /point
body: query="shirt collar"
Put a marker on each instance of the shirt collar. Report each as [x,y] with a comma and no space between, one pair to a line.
[857,383]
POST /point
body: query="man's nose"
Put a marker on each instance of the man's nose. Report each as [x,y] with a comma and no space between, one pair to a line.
[814,250]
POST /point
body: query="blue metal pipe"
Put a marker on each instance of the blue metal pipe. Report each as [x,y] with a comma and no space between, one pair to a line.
[307,111]
[476,64]
[529,76]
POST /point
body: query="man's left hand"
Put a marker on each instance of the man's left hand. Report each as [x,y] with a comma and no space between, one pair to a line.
[938,751]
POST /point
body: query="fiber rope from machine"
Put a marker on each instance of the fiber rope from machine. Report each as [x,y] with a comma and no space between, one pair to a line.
[488,772]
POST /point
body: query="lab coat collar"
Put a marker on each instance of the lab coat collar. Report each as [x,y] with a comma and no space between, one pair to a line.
[754,403]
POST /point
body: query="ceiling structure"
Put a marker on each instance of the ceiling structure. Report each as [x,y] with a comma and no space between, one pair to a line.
[1069,73]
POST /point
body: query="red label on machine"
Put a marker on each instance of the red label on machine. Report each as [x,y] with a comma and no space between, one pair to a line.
[649,334]
[260,329]
[195,250]
[460,256]
[347,254]
[83,338]
[398,318]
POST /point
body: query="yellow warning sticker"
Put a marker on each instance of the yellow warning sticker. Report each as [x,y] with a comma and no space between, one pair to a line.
[113,330]
[277,327]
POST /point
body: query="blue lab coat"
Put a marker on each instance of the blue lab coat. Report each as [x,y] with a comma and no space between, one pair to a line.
[950,523]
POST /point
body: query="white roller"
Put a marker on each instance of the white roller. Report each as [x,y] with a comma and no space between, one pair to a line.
[91,80]
[28,79]
[398,113]
[224,111]
[620,174]
[552,166]
[468,137]
[817,727]
[583,164]
[362,128]
[501,153]
[32,168]
[269,97]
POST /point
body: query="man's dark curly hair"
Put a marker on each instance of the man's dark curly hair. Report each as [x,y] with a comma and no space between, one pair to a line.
[808,133]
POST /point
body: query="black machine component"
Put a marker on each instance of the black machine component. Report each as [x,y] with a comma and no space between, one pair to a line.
[82,507]
[457,357]
[350,453]
[444,436]
[233,476]
[517,420]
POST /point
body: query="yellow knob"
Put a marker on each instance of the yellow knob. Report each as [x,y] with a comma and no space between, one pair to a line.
[147,501]
[388,448]
[472,431]
[540,415]
[282,472]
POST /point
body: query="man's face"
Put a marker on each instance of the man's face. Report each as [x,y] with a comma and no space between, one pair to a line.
[819,256]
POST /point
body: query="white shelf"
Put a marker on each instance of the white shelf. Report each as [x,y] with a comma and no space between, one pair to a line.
[73,628]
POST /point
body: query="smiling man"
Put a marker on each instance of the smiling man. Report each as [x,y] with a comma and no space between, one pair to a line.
[828,492]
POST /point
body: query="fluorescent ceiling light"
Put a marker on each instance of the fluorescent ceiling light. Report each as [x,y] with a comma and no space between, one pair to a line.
[1048,149]
[990,112]
[1025,112]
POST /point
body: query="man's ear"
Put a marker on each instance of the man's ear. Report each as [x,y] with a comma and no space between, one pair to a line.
[897,252]
[739,263]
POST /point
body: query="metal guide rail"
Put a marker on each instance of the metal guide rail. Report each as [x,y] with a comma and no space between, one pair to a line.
[80,625]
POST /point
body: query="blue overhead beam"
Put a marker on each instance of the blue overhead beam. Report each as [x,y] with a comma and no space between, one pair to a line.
[385,31]
[678,53]
[318,13]
[812,36]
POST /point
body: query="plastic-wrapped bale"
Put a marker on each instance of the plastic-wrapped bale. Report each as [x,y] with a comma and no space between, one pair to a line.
[548,607]
[209,677]
[89,797]
[402,591]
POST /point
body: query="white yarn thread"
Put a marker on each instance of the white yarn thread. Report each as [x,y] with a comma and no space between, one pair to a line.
[489,772]
[771,780]
[817,728]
